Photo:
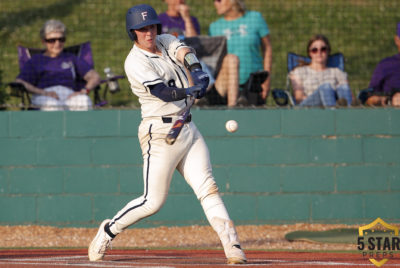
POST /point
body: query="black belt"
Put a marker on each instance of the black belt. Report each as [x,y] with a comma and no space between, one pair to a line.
[166,119]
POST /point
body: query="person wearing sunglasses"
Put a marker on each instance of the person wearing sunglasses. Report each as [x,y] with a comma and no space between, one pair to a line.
[52,76]
[247,34]
[385,81]
[316,84]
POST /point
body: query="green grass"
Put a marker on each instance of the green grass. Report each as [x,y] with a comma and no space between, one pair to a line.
[361,29]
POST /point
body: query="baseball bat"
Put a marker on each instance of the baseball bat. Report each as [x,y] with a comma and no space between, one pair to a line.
[176,128]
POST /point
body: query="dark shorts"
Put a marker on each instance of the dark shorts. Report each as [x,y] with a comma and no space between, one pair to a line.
[252,98]
[214,98]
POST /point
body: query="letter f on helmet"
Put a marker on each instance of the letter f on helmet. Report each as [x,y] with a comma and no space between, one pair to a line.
[140,16]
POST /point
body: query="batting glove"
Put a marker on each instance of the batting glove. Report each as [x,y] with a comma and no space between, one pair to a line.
[200,78]
[194,91]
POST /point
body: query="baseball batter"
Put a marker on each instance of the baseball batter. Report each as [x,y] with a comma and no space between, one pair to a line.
[165,74]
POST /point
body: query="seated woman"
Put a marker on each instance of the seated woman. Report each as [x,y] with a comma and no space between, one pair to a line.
[223,89]
[52,75]
[316,84]
[248,39]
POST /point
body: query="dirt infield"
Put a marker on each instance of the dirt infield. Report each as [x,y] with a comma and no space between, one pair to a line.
[180,258]
[265,246]
[263,237]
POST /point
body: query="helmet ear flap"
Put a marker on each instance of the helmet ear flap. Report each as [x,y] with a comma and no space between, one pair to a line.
[133,34]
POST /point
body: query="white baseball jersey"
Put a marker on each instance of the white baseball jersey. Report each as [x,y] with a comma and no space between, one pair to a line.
[189,154]
[144,69]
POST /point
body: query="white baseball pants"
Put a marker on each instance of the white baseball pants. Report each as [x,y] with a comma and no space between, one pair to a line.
[189,154]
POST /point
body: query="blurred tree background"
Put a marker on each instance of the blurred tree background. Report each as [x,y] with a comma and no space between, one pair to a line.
[362,30]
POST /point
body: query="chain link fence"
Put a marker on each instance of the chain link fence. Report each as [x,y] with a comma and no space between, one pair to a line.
[362,30]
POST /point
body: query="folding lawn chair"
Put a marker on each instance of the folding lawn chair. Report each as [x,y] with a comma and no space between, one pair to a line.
[284,97]
[211,50]
[82,51]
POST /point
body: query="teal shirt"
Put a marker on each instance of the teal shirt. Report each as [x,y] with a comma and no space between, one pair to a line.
[244,40]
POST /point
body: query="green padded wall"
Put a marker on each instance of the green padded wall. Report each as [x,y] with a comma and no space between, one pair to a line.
[281,166]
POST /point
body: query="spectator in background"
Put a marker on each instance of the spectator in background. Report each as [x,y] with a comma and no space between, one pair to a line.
[385,80]
[315,84]
[222,90]
[247,34]
[52,75]
[178,21]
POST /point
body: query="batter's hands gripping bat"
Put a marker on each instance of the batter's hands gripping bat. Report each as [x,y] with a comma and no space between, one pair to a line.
[178,124]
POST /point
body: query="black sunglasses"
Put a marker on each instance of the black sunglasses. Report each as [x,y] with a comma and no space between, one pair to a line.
[315,49]
[217,1]
[53,40]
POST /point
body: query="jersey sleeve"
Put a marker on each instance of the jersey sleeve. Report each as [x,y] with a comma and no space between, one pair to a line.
[171,44]
[142,70]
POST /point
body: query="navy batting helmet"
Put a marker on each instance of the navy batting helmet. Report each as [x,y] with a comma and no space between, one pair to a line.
[140,16]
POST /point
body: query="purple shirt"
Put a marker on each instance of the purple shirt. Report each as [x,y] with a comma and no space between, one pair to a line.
[176,25]
[43,71]
[386,76]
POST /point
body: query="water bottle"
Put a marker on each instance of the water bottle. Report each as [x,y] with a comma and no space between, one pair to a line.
[112,84]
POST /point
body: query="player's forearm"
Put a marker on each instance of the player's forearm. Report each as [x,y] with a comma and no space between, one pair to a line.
[167,94]
[182,51]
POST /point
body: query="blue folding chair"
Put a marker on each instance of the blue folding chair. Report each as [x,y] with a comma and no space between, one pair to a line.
[284,97]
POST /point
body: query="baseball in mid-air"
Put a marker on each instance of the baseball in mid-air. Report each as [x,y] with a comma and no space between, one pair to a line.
[231,126]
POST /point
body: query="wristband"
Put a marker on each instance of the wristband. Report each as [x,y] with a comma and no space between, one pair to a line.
[191,62]
[87,90]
